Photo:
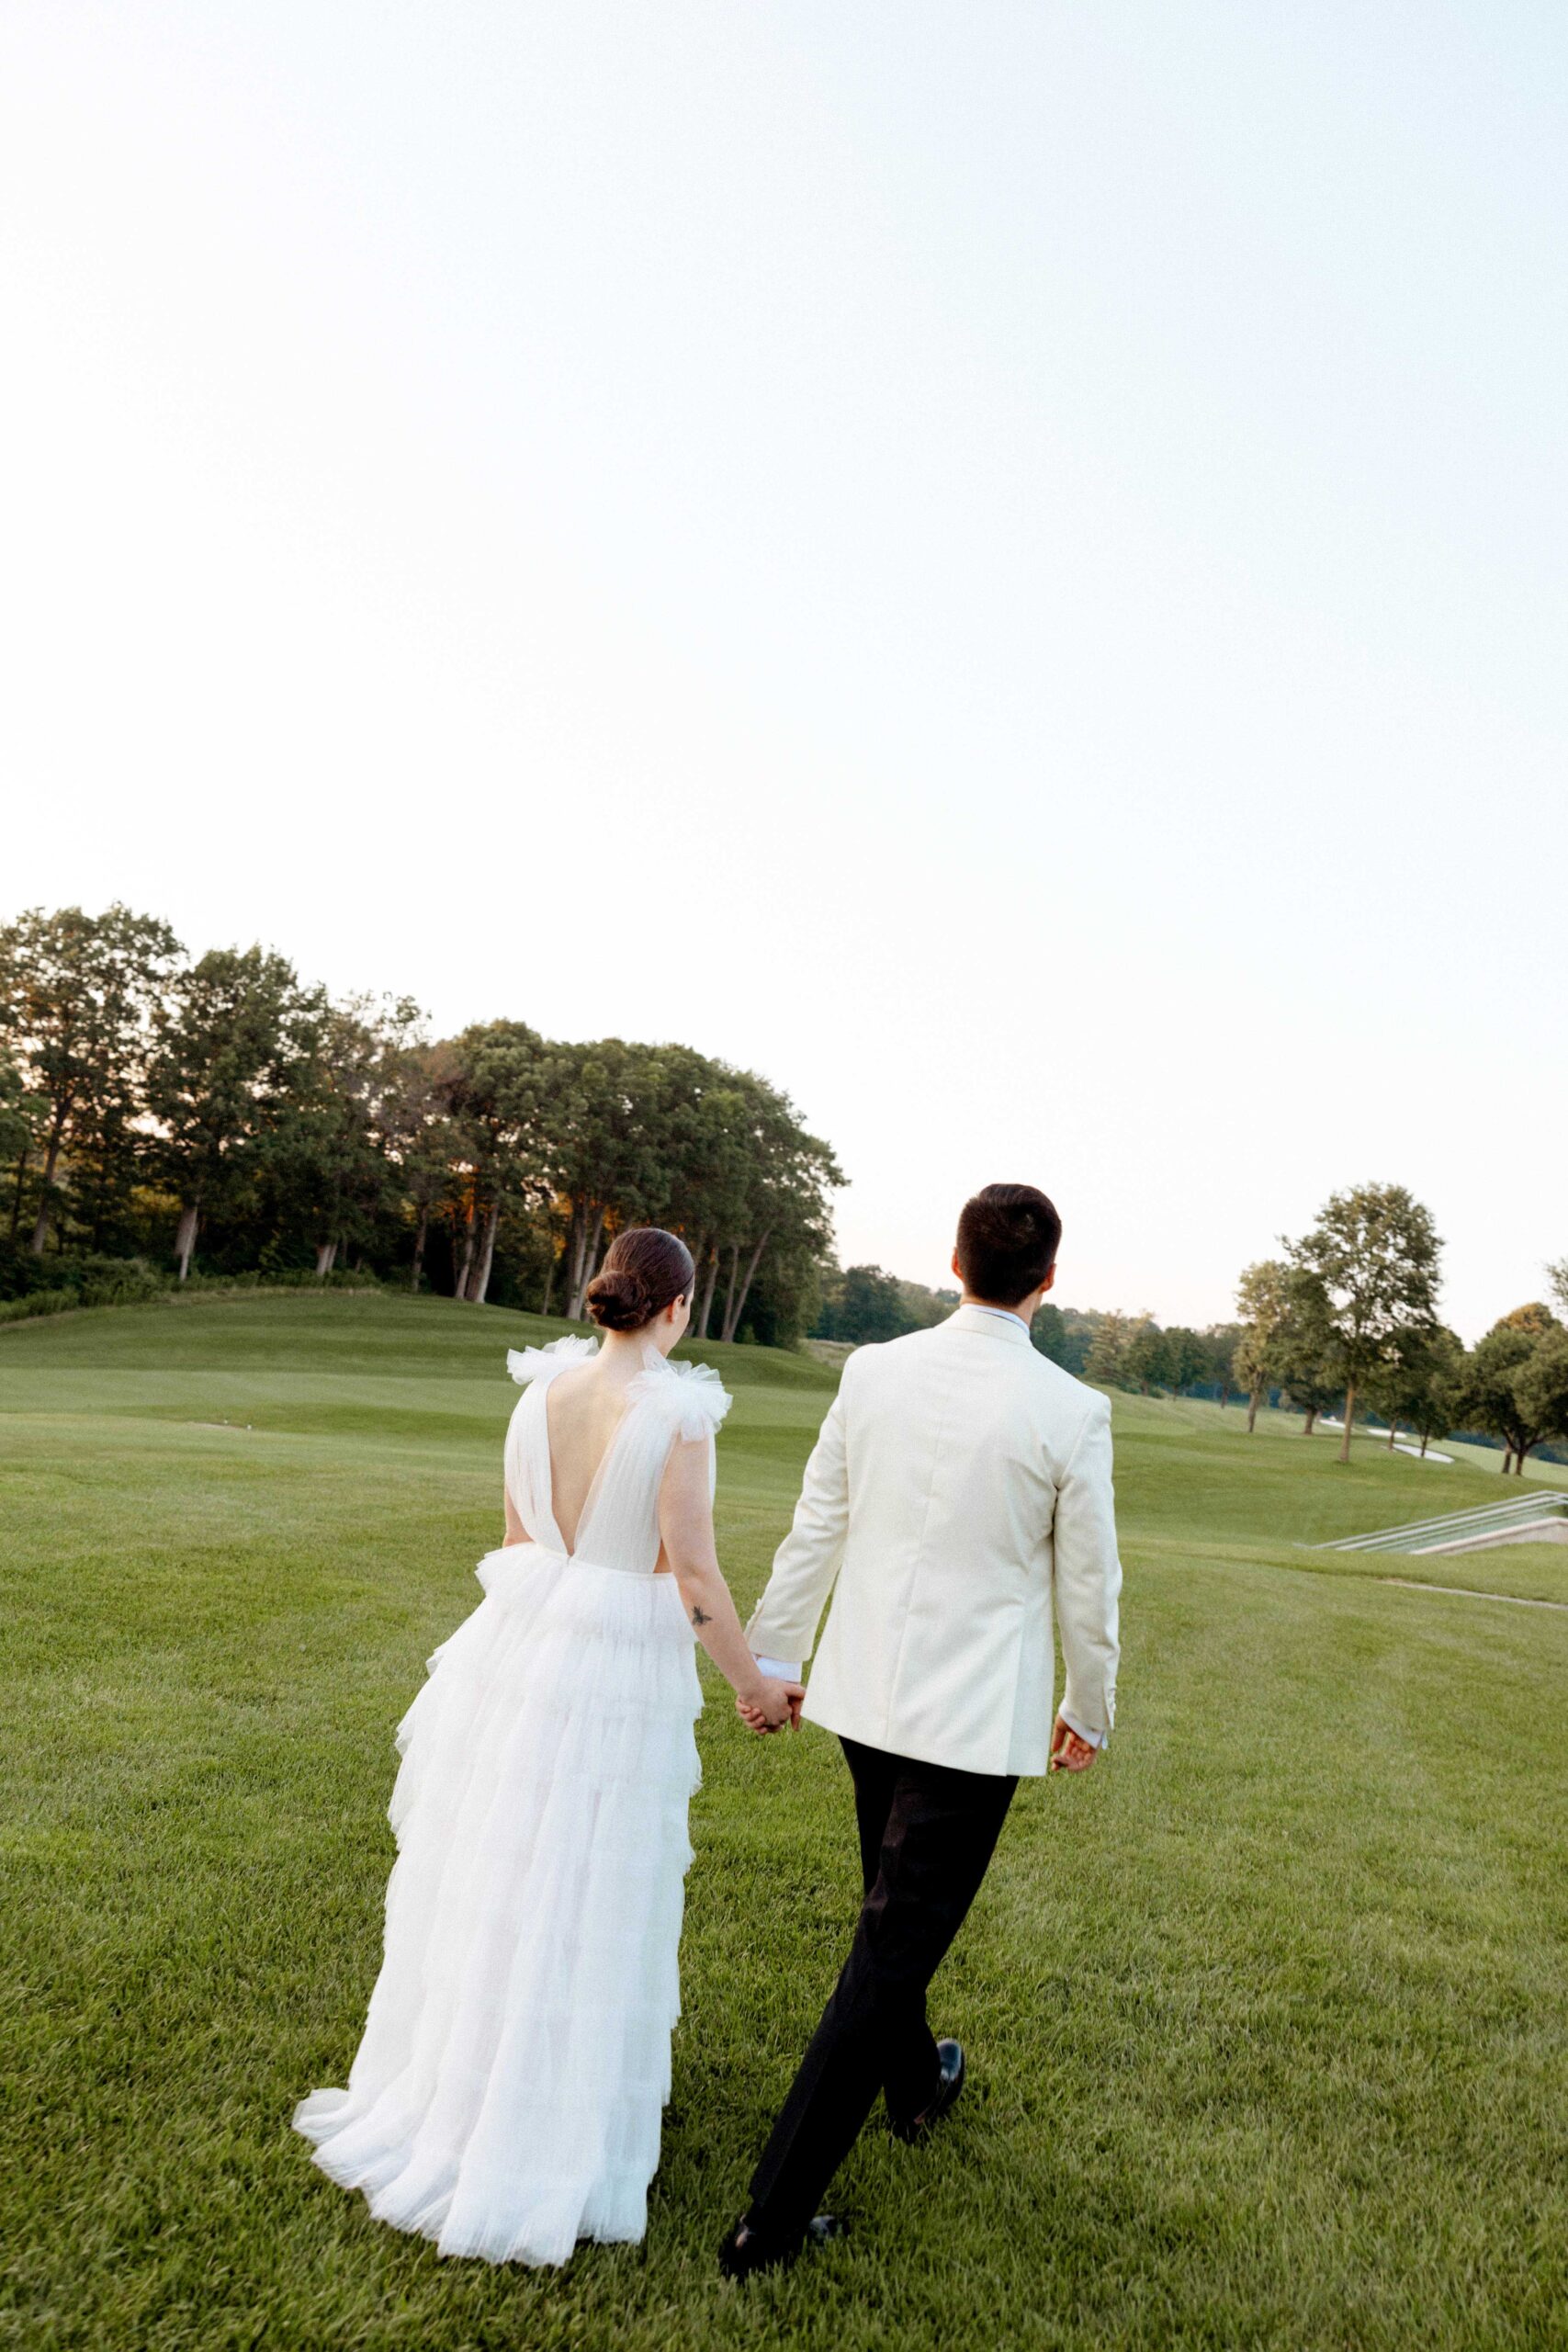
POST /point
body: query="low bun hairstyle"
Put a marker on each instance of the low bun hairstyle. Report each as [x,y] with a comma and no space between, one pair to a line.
[644,1270]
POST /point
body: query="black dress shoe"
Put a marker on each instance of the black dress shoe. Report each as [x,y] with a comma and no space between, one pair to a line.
[949,2083]
[747,2250]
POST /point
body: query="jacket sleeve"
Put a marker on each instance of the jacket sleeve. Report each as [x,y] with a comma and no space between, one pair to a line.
[784,1624]
[1089,1575]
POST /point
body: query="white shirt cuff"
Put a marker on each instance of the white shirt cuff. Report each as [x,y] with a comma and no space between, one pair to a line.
[782,1670]
[1095,1738]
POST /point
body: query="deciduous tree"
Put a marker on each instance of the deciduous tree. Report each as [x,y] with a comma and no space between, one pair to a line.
[1422,1386]
[1305,1350]
[1541,1384]
[228,1050]
[77,995]
[1262,1301]
[18,1131]
[1504,1391]
[1188,1357]
[1375,1251]
[1106,1363]
[862,1306]
[500,1101]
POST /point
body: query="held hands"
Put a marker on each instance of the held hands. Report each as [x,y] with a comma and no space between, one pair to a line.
[1069,1752]
[769,1705]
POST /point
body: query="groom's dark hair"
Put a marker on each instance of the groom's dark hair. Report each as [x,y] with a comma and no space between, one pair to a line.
[1008,1238]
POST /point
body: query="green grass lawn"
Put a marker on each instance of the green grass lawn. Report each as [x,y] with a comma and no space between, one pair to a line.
[1266,2014]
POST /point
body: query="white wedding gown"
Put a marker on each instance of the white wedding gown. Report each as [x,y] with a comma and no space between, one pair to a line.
[507,2095]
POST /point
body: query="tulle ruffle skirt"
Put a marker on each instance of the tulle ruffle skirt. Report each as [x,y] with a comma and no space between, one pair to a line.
[507,2095]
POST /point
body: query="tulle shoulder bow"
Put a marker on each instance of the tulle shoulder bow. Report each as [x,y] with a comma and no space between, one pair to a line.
[543,1363]
[692,1395]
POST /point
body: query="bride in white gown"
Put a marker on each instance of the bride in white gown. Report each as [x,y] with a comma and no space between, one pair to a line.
[507,2095]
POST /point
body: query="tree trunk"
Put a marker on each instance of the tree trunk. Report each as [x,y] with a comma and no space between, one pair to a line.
[733,1319]
[424,1227]
[466,1262]
[1392,1431]
[577,1243]
[1507,1461]
[729,1287]
[1519,1454]
[1224,1393]
[702,1330]
[1350,1421]
[1255,1398]
[326,1258]
[17,1196]
[185,1239]
[46,1198]
[1311,1421]
[481,1282]
[549,1279]
[1426,1435]
[588,1266]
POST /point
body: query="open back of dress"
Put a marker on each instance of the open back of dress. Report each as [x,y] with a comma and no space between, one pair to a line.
[619,1523]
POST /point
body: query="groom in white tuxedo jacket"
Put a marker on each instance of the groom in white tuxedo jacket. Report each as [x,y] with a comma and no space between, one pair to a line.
[957,1504]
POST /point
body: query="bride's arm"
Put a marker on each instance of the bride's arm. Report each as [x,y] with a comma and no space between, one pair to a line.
[685,1524]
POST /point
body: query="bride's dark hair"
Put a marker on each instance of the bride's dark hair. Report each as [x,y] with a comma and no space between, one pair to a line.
[644,1269]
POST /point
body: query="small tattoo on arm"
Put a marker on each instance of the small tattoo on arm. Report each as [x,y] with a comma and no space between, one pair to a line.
[700,1617]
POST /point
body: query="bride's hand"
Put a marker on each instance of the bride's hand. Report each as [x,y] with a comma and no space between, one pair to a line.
[771,1705]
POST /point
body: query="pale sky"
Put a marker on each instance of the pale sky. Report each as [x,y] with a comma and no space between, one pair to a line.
[1002,565]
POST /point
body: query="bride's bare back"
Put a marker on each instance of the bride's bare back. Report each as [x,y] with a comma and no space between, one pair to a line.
[584,1410]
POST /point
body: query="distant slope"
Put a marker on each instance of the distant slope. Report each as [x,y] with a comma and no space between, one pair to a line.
[374,1332]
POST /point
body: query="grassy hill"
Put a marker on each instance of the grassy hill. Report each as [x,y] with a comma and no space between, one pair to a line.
[1266,2013]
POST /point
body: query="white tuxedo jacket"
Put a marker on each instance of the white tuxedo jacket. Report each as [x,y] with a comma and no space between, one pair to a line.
[958,1498]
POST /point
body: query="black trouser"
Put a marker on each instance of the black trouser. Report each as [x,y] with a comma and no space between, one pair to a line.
[927,1833]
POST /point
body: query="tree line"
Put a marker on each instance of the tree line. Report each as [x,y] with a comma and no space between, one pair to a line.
[219,1112]
[1346,1316]
[862,1304]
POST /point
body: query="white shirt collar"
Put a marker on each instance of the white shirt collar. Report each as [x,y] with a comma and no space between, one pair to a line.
[1003,1314]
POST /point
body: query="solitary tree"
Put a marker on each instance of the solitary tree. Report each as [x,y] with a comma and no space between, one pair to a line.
[1375,1252]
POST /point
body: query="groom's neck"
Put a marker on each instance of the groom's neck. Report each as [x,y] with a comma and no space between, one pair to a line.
[1000,1306]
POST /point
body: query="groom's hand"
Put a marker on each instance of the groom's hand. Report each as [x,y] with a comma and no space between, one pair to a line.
[1069,1752]
[758,1722]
